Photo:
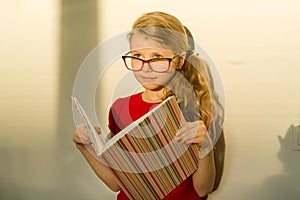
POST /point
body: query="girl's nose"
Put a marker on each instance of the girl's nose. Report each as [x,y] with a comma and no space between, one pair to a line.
[146,67]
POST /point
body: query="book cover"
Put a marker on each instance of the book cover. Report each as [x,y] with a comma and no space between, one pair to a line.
[146,159]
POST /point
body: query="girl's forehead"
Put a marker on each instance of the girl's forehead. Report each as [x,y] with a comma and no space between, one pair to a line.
[144,42]
[146,45]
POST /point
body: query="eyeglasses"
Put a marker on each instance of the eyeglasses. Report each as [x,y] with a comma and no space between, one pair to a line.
[156,64]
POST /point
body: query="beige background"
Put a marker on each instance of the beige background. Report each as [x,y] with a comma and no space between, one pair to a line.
[255,45]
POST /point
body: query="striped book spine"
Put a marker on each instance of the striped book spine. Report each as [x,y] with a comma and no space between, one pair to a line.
[146,160]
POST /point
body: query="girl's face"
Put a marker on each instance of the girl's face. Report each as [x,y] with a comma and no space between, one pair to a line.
[145,48]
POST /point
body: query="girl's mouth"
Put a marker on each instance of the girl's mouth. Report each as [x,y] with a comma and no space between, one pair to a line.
[148,79]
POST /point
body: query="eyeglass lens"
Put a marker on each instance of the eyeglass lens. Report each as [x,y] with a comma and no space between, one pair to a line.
[158,65]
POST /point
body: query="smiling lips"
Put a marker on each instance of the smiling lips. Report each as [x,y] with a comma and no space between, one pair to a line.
[148,79]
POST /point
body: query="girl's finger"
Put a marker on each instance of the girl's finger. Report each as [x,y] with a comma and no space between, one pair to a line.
[195,140]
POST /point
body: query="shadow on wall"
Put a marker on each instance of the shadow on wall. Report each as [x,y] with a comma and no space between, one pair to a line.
[79,35]
[287,184]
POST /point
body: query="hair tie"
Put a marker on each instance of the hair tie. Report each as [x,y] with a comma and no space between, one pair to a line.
[189,53]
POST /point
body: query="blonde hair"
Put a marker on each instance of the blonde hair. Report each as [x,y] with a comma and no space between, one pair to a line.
[189,84]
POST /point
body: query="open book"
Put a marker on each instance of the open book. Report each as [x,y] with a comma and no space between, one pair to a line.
[146,160]
[96,139]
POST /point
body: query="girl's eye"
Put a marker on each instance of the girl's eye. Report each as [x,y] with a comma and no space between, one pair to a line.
[157,56]
[137,55]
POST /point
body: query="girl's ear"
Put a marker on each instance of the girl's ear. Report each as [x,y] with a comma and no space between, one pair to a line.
[181,60]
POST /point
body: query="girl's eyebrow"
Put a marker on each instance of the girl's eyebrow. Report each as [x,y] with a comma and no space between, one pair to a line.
[134,51]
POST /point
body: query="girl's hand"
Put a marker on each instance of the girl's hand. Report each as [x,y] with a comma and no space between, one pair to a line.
[192,133]
[81,135]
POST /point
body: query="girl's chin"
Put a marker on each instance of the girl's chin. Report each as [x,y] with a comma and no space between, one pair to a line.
[152,86]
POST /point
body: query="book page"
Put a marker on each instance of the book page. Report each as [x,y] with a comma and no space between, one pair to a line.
[96,139]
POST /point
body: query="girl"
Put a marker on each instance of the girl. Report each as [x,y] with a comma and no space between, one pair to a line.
[164,65]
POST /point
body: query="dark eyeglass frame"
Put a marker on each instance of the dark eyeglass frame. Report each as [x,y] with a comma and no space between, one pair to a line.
[148,62]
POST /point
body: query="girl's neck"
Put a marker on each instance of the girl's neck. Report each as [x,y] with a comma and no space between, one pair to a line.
[152,96]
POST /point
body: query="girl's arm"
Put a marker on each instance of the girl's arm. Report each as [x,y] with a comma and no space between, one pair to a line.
[101,170]
[204,176]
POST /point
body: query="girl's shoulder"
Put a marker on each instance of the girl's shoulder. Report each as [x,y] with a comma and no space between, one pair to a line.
[121,101]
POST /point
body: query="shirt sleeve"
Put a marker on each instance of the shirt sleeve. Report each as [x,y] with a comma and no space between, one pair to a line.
[112,121]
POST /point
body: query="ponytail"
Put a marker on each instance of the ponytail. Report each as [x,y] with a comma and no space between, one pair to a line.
[194,70]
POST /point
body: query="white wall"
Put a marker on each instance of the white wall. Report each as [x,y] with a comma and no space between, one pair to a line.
[28,38]
[255,45]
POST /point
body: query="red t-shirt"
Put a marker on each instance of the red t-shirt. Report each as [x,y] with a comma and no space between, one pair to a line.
[126,110]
